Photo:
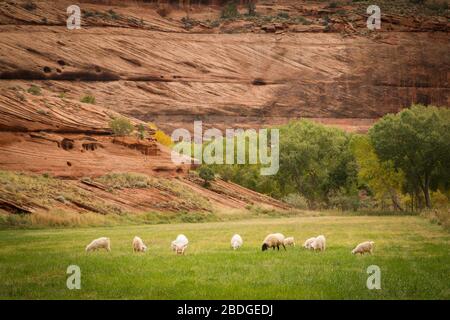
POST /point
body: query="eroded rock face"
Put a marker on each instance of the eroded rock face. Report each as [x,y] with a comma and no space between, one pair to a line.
[256,74]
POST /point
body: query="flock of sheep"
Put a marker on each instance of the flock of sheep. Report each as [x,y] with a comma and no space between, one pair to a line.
[274,240]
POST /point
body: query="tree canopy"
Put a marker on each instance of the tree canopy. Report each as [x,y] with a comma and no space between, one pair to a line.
[417,141]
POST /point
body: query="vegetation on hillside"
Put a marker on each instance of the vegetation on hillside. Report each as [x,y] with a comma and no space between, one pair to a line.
[121,126]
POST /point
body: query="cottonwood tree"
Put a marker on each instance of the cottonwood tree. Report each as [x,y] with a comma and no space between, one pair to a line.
[417,141]
[381,177]
[316,161]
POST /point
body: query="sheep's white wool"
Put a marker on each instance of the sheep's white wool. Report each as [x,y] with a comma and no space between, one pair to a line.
[279,236]
[289,241]
[138,245]
[364,247]
[179,245]
[319,243]
[308,243]
[236,241]
[99,243]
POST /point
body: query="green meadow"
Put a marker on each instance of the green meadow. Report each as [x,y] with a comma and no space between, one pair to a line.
[413,256]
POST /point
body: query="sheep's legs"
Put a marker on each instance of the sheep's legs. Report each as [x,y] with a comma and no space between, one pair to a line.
[284,247]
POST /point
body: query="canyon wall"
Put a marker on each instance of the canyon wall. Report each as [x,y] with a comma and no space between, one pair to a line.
[231,72]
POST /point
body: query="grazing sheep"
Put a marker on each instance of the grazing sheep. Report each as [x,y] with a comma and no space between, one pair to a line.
[138,245]
[364,247]
[319,243]
[236,242]
[308,242]
[273,240]
[289,241]
[180,244]
[98,244]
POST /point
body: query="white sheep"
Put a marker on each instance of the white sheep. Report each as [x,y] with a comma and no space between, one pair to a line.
[308,242]
[289,241]
[273,240]
[364,247]
[138,245]
[319,243]
[98,244]
[179,245]
[236,241]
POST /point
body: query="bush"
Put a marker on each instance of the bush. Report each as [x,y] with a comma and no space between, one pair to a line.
[34,90]
[141,131]
[125,180]
[333,5]
[114,15]
[345,202]
[296,200]
[440,217]
[230,11]
[283,15]
[251,9]
[88,99]
[163,11]
[121,126]
[206,174]
[163,138]
[439,6]
[30,6]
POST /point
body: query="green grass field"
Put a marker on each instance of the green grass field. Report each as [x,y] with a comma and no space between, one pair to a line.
[412,253]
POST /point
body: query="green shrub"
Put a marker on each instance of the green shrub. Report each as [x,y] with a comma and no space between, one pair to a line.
[439,6]
[283,15]
[296,200]
[121,126]
[230,11]
[125,180]
[251,9]
[207,174]
[30,6]
[333,5]
[34,90]
[114,15]
[345,202]
[88,99]
[141,131]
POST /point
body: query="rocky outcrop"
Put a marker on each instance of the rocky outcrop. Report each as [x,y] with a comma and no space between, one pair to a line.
[147,147]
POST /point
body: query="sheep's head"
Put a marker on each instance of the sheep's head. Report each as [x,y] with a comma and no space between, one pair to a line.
[353,251]
[264,247]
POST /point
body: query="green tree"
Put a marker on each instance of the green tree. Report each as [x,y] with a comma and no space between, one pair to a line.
[207,174]
[381,177]
[316,161]
[417,141]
